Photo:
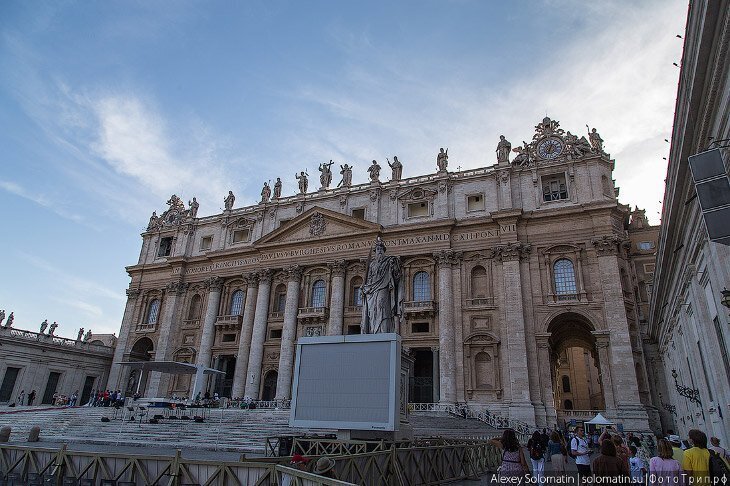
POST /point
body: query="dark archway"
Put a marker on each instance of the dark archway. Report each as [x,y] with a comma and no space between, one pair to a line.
[574,364]
[141,351]
[422,385]
[269,391]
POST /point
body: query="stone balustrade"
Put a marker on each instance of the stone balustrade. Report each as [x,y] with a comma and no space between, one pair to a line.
[61,342]
[419,307]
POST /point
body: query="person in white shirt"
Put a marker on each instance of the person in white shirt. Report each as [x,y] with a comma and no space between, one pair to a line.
[579,448]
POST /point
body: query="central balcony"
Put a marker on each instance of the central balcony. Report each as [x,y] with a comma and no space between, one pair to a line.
[313,314]
[420,308]
[227,323]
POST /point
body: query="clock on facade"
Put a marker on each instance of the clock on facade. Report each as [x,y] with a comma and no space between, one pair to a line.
[550,148]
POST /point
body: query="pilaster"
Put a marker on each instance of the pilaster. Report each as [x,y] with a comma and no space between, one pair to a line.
[115,372]
[546,379]
[173,293]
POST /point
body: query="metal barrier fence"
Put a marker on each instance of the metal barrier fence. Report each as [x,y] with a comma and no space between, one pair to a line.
[400,464]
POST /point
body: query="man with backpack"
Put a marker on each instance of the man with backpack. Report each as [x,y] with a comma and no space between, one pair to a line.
[537,454]
[581,452]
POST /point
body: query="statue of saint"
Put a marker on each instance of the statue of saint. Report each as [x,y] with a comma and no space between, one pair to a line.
[346,176]
[325,178]
[503,150]
[87,337]
[44,325]
[277,188]
[397,168]
[442,160]
[303,182]
[265,193]
[382,293]
[595,140]
[52,329]
[10,320]
[193,208]
[80,335]
[2,316]
[374,170]
[229,200]
[154,221]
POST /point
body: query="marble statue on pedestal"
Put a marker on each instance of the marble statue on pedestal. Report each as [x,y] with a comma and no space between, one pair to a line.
[383,293]
[346,176]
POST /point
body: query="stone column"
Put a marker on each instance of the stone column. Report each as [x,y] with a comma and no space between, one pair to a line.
[604,361]
[621,358]
[519,384]
[447,365]
[244,339]
[115,374]
[288,333]
[337,301]
[172,294]
[546,378]
[215,286]
[258,335]
[436,373]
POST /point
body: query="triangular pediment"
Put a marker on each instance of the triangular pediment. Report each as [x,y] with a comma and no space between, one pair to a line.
[318,224]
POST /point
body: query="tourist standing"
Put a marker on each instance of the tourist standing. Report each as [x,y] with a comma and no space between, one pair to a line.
[325,467]
[579,448]
[537,455]
[622,452]
[31,397]
[715,446]
[696,460]
[513,459]
[607,464]
[21,397]
[636,465]
[664,469]
[677,451]
[557,452]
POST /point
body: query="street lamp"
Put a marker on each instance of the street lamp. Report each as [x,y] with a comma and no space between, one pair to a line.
[692,394]
[725,298]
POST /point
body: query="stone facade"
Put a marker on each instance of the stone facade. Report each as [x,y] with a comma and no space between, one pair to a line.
[687,332]
[505,267]
[51,364]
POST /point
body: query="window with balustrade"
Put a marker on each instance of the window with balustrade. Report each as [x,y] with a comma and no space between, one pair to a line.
[280,298]
[421,287]
[236,303]
[153,311]
[318,294]
[564,275]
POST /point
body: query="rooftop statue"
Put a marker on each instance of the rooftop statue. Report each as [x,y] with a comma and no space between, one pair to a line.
[374,171]
[229,200]
[2,316]
[80,335]
[397,169]
[303,182]
[346,176]
[154,221]
[277,188]
[193,208]
[44,325]
[87,337]
[325,178]
[595,139]
[503,150]
[442,160]
[265,193]
[52,329]
[382,293]
[9,322]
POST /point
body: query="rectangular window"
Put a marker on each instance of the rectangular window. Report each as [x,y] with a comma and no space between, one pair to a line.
[554,188]
[6,389]
[417,209]
[206,242]
[645,245]
[475,203]
[165,248]
[51,386]
[356,295]
[282,222]
[358,213]
[275,334]
[417,327]
[353,329]
[649,267]
[228,338]
[241,235]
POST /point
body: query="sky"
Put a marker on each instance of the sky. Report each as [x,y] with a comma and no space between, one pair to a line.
[108,108]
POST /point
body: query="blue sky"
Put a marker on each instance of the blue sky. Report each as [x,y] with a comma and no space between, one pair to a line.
[108,108]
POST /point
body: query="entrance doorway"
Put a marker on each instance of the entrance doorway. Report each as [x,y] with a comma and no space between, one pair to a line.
[140,352]
[224,383]
[422,382]
[269,392]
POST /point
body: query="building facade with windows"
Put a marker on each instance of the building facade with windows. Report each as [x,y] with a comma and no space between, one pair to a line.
[687,337]
[506,269]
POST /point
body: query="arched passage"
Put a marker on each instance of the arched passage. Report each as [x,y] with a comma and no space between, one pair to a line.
[141,351]
[574,365]
[269,391]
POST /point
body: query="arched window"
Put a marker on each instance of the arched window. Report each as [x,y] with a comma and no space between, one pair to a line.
[568,405]
[479,282]
[196,307]
[237,303]
[356,287]
[318,294]
[153,311]
[564,277]
[566,384]
[421,287]
[280,298]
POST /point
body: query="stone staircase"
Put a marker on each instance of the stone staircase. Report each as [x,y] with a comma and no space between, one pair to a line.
[243,431]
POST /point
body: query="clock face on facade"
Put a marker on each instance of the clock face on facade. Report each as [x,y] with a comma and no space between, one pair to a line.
[550,148]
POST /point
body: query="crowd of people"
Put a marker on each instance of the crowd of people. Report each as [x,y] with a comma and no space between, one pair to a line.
[628,457]
[105,398]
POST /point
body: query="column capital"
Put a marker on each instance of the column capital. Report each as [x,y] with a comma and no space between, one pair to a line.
[293,273]
[602,338]
[434,349]
[264,276]
[132,294]
[609,244]
[251,279]
[512,251]
[178,287]
[447,257]
[338,268]
[543,339]
[214,284]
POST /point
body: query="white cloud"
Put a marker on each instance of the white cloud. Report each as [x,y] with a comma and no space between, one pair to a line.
[40,199]
[90,310]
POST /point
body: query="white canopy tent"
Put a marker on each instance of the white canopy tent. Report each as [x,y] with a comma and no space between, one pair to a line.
[174,368]
[600,420]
